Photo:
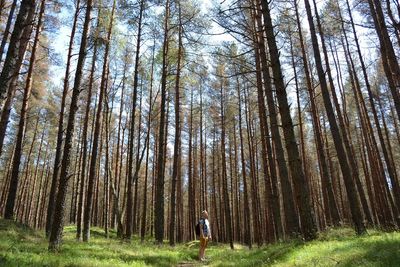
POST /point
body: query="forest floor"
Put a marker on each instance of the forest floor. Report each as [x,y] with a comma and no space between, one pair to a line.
[22,246]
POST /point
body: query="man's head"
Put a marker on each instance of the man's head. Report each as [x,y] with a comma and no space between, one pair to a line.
[204,214]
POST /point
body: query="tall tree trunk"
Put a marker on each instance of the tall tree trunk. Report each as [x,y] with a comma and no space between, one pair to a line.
[291,218]
[60,129]
[390,63]
[177,156]
[10,66]
[8,26]
[326,179]
[9,210]
[12,87]
[224,176]
[269,175]
[82,191]
[35,176]
[59,211]
[108,162]
[299,180]
[22,200]
[389,163]
[191,187]
[149,120]
[252,174]
[42,188]
[159,194]
[129,206]
[343,120]
[347,172]
[97,134]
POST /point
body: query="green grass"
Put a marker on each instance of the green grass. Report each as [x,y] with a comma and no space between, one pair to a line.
[21,246]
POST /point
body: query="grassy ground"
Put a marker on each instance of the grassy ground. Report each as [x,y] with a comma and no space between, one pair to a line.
[21,246]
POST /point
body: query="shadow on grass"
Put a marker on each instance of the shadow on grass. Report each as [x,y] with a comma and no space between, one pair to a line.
[376,253]
[10,227]
[263,256]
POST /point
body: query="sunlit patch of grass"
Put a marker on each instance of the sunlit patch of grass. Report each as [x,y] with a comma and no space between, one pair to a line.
[340,247]
[21,246]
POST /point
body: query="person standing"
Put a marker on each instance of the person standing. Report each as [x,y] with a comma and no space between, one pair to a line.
[205,234]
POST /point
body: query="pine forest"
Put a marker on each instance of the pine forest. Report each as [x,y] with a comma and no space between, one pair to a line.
[280,118]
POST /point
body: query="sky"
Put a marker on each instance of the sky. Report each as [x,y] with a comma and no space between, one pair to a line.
[60,43]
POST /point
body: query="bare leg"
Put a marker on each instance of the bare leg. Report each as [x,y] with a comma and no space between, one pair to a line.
[201,250]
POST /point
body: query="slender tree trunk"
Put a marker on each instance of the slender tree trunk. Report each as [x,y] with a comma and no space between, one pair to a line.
[159,194]
[10,66]
[252,173]
[390,63]
[97,134]
[22,200]
[389,163]
[108,162]
[149,120]
[326,178]
[270,197]
[82,191]
[60,130]
[343,120]
[8,26]
[224,176]
[9,210]
[177,156]
[12,88]
[192,192]
[28,219]
[138,164]
[129,206]
[59,211]
[6,179]
[299,180]
[348,174]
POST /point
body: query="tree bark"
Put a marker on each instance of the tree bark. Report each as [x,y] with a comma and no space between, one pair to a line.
[10,66]
[159,194]
[60,130]
[177,156]
[59,211]
[97,133]
[9,210]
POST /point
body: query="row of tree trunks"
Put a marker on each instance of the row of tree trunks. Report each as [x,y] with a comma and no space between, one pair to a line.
[348,173]
[97,134]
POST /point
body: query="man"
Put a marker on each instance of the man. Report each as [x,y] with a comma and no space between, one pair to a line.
[205,234]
